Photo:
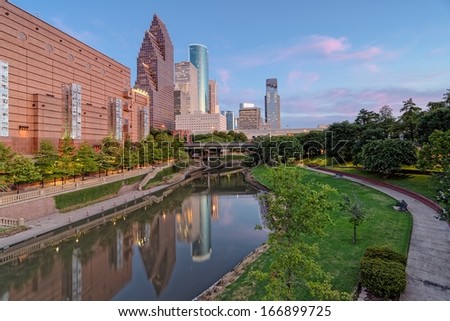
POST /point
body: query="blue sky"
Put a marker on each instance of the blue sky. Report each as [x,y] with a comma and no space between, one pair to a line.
[331,58]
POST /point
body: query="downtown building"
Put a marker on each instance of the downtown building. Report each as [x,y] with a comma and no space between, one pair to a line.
[54,86]
[155,74]
[272,104]
[203,117]
[249,117]
[186,88]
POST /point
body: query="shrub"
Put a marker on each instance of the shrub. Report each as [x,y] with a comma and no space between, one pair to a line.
[383,278]
[385,254]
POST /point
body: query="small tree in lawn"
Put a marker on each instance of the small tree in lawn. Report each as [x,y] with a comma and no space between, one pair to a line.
[295,209]
[356,212]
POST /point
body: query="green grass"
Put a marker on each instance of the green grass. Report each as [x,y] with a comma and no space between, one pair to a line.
[78,199]
[166,174]
[409,179]
[338,255]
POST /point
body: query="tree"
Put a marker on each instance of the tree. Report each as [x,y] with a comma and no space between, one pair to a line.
[5,154]
[436,119]
[366,117]
[387,156]
[66,165]
[355,211]
[341,137]
[20,169]
[46,160]
[86,159]
[435,155]
[296,208]
[386,120]
[409,118]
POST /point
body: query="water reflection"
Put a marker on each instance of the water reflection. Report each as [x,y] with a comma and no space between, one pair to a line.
[164,252]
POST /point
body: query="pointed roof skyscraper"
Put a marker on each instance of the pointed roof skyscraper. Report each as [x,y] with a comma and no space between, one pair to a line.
[155,74]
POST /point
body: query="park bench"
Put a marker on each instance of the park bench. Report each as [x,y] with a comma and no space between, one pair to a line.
[338,175]
[403,206]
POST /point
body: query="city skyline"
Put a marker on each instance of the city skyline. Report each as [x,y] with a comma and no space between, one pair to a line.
[330,59]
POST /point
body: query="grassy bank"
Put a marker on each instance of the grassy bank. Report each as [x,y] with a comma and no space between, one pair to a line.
[162,176]
[78,199]
[338,255]
[409,179]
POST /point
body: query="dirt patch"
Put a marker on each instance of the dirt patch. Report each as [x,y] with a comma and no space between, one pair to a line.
[217,288]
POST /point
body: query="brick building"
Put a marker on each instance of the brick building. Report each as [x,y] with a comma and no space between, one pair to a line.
[53,85]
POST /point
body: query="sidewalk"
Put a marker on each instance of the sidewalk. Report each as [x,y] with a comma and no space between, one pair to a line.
[428,265]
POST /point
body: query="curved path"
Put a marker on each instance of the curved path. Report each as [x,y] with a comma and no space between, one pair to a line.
[428,265]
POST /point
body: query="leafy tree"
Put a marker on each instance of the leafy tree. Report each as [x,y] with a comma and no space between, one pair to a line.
[386,120]
[86,159]
[367,135]
[435,155]
[409,119]
[46,160]
[435,119]
[5,154]
[340,141]
[387,156]
[355,211]
[295,209]
[110,156]
[366,117]
[20,169]
[66,165]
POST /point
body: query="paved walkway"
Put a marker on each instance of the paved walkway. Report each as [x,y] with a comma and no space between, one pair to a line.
[428,265]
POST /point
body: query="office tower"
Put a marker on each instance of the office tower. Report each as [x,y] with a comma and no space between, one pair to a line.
[198,56]
[229,115]
[249,118]
[213,101]
[52,85]
[186,82]
[155,74]
[272,104]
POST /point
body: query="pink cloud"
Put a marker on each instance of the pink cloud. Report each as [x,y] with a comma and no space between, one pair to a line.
[298,79]
[328,45]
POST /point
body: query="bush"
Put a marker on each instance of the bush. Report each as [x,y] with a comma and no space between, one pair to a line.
[385,254]
[383,273]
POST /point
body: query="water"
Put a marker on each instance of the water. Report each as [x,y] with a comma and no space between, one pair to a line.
[169,251]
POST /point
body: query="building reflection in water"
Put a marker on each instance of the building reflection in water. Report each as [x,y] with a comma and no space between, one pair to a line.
[159,252]
[193,224]
[99,265]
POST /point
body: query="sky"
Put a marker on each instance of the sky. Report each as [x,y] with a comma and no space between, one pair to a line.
[331,58]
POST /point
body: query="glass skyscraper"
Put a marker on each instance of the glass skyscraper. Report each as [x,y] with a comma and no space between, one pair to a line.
[198,56]
[272,104]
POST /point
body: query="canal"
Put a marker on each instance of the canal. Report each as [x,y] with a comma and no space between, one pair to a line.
[173,250]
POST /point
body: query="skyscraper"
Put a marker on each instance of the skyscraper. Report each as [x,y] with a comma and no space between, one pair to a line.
[198,56]
[155,74]
[229,115]
[186,82]
[213,103]
[272,104]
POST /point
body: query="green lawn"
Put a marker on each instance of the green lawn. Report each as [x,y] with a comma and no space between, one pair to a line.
[166,174]
[410,179]
[338,255]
